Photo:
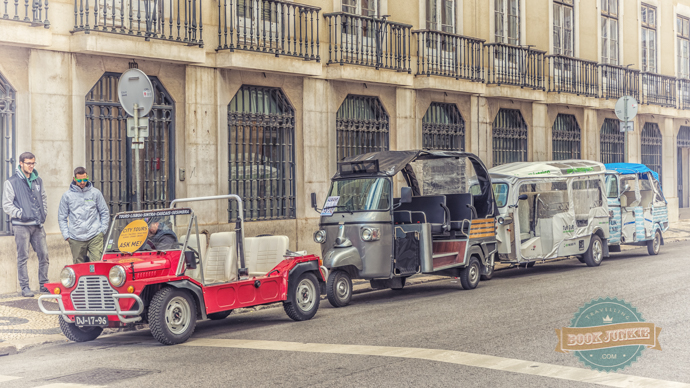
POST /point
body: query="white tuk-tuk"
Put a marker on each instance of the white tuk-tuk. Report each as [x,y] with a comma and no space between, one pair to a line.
[639,214]
[549,210]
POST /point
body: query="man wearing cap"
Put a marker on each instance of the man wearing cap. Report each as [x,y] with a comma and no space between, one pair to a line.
[83,217]
[24,200]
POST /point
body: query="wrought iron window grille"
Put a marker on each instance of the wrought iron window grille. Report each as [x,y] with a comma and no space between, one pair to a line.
[261,138]
[443,128]
[612,142]
[362,126]
[109,153]
[565,138]
[651,146]
[509,137]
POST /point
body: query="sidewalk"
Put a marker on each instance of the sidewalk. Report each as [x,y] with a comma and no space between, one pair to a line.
[23,325]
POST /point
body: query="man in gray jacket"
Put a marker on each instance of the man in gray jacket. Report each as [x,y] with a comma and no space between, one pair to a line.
[24,200]
[83,217]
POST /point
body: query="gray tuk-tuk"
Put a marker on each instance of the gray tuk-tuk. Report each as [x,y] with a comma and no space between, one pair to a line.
[436,226]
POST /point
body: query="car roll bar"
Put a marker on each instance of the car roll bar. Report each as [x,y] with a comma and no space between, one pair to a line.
[120,314]
[240,222]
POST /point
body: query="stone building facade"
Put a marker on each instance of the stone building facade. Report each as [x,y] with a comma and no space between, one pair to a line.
[262,97]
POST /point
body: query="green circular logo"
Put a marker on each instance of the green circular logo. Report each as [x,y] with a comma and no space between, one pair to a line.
[608,335]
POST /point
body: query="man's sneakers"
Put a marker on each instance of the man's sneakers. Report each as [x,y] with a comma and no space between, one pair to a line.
[26,292]
[44,290]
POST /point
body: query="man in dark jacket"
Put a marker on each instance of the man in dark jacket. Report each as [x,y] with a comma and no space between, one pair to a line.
[24,200]
[160,236]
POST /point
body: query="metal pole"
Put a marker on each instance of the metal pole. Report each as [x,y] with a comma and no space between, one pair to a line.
[625,134]
[136,155]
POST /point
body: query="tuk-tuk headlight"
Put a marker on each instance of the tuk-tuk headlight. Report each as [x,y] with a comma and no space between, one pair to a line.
[370,234]
[117,276]
[320,236]
[504,221]
[67,277]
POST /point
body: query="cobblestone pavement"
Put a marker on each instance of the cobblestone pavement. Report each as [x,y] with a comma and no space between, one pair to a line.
[22,324]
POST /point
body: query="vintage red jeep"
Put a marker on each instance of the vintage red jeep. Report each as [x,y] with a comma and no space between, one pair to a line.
[150,275]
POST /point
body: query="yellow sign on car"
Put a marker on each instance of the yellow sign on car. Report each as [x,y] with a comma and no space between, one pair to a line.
[133,236]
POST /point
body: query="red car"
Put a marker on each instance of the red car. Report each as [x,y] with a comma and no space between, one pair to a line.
[158,269]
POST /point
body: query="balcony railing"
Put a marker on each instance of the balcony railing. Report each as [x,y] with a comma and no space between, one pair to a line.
[684,90]
[172,20]
[618,81]
[658,89]
[366,41]
[35,13]
[269,26]
[449,55]
[572,75]
[515,65]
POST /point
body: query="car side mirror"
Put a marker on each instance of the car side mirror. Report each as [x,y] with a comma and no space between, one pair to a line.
[405,194]
[522,197]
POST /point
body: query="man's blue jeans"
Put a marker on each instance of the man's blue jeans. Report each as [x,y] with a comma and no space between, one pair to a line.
[36,236]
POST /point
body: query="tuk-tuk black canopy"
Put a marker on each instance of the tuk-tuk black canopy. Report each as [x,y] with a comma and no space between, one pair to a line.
[389,163]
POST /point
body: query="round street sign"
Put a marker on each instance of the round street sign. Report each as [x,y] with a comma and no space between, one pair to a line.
[626,108]
[134,87]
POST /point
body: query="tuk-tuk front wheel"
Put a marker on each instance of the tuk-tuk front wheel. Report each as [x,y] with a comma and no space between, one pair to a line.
[654,245]
[469,276]
[339,288]
[595,253]
[303,301]
[172,316]
[79,334]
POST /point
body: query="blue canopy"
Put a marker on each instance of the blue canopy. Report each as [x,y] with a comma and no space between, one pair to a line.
[631,168]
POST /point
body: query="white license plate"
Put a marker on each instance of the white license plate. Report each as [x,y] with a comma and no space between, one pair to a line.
[91,320]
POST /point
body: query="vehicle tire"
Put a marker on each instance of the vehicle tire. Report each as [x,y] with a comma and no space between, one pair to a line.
[219,315]
[528,264]
[469,276]
[172,316]
[654,245]
[339,288]
[402,284]
[489,275]
[79,334]
[304,300]
[595,253]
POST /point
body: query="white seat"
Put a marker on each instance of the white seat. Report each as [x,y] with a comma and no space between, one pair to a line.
[220,265]
[201,248]
[262,254]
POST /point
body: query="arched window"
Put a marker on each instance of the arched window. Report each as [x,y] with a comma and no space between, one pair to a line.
[362,126]
[261,138]
[612,142]
[443,128]
[109,153]
[565,138]
[8,128]
[509,137]
[651,147]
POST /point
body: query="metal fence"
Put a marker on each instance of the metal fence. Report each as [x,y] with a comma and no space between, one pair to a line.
[658,89]
[269,26]
[36,16]
[565,136]
[261,150]
[515,65]
[612,142]
[443,128]
[449,55]
[651,146]
[8,128]
[509,137]
[109,152]
[572,75]
[618,81]
[362,126]
[172,20]
[368,41]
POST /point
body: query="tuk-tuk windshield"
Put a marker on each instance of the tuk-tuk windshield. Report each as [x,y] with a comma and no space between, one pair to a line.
[362,194]
[157,230]
[611,186]
[500,192]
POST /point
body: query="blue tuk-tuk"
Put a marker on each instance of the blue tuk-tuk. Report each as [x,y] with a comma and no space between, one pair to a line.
[637,207]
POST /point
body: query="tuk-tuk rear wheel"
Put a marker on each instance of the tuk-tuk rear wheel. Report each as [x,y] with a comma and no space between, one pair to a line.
[469,276]
[654,245]
[595,253]
[339,288]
